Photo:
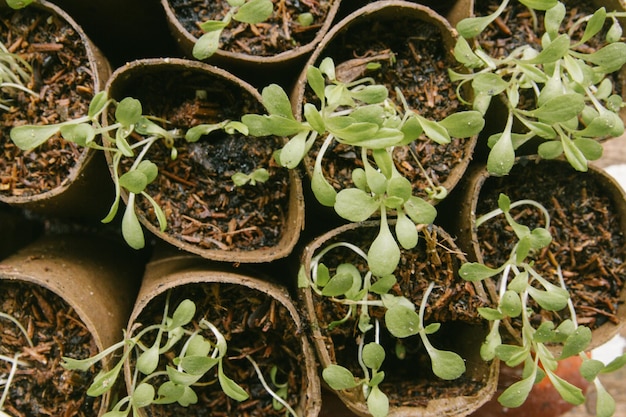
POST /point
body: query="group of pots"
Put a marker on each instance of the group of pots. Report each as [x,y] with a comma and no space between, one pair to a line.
[244,255]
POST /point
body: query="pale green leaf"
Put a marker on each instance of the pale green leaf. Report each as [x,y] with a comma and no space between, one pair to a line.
[128,111]
[207,45]
[401,321]
[516,394]
[338,377]
[355,205]
[230,387]
[28,137]
[502,156]
[275,101]
[377,403]
[373,355]
[463,124]
[474,271]
[384,253]
[97,104]
[143,395]
[254,11]
[446,364]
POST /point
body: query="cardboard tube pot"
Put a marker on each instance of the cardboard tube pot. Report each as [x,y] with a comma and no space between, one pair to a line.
[75,181]
[587,251]
[256,317]
[207,214]
[409,382]
[94,281]
[393,35]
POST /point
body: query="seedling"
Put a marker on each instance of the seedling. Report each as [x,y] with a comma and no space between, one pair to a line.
[244,11]
[573,99]
[15,74]
[518,283]
[198,355]
[129,121]
[6,380]
[347,286]
[359,113]
[258,175]
[18,4]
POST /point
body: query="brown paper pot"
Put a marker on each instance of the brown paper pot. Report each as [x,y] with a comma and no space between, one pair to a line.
[80,187]
[587,231]
[412,388]
[207,215]
[255,66]
[396,27]
[209,285]
[95,281]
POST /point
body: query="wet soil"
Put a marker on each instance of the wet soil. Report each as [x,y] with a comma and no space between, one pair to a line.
[41,387]
[64,83]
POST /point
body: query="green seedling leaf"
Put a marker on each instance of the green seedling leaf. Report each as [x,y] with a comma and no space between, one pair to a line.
[435,131]
[544,333]
[610,58]
[549,300]
[254,11]
[28,137]
[539,4]
[143,395]
[474,271]
[195,133]
[148,361]
[313,116]
[207,44]
[490,313]
[315,79]
[338,377]
[420,211]
[339,284]
[383,284]
[229,386]
[604,124]
[553,52]
[115,413]
[169,392]
[614,33]
[502,156]
[402,321]
[377,403]
[276,101]
[197,365]
[489,83]
[181,378]
[591,149]
[18,4]
[183,314]
[198,346]
[412,129]
[213,25]
[465,55]
[323,275]
[516,394]
[134,181]
[373,355]
[327,66]
[104,381]
[128,111]
[590,368]
[406,232]
[385,164]
[131,228]
[371,94]
[560,108]
[511,304]
[605,404]
[512,355]
[82,134]
[550,150]
[399,187]
[149,169]
[463,124]
[384,254]
[540,238]
[97,104]
[355,205]
[576,342]
[569,392]
[432,328]
[553,19]
[489,346]
[473,26]
[594,25]
[292,153]
[615,364]
[446,364]
[574,156]
[323,191]
[189,397]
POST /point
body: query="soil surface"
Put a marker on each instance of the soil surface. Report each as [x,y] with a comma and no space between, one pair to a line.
[587,241]
[453,302]
[196,192]
[62,79]
[41,387]
[280,33]
[254,324]
[413,58]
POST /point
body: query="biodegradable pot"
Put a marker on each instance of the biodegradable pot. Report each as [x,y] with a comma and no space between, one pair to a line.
[412,388]
[76,186]
[94,281]
[208,215]
[588,225]
[210,284]
[405,31]
[254,66]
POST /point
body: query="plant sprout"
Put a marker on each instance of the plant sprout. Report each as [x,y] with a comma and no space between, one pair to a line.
[198,355]
[360,293]
[573,99]
[15,75]
[359,113]
[5,381]
[129,121]
[258,175]
[245,11]
[518,283]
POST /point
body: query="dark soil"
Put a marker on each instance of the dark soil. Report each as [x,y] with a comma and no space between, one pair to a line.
[413,58]
[280,33]
[44,388]
[62,76]
[195,190]
[587,242]
[253,323]
[453,302]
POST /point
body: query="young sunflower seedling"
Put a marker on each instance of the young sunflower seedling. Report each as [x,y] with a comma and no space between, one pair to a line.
[518,283]
[573,101]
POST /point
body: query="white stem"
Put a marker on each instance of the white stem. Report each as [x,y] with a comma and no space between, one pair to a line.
[268,389]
